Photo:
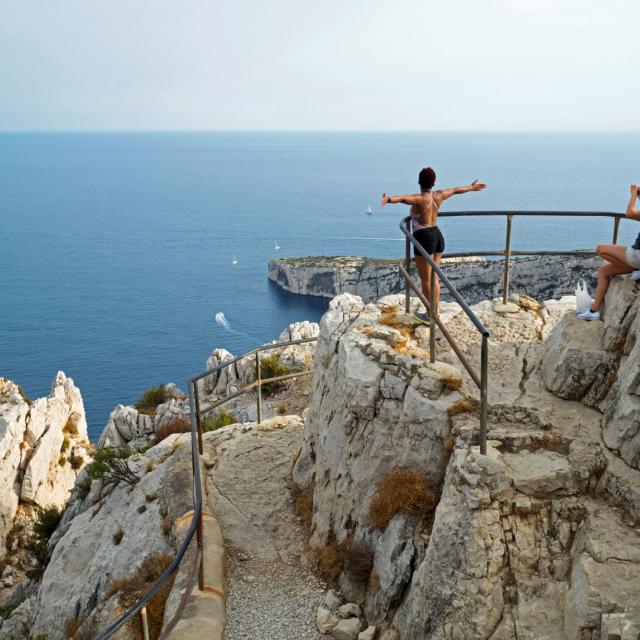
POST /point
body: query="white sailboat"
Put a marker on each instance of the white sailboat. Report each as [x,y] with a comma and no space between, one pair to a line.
[234,260]
[369,211]
[276,246]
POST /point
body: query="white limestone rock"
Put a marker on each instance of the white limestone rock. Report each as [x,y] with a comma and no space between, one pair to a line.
[36,440]
[325,620]
[125,425]
[347,629]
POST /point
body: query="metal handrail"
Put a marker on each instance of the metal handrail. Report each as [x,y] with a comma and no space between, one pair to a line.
[481,380]
[195,527]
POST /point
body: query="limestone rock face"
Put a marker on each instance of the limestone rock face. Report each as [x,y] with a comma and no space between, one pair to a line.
[599,364]
[524,541]
[376,406]
[37,440]
[111,532]
[299,356]
[542,277]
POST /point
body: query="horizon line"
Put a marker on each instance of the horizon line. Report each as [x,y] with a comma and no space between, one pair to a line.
[318,131]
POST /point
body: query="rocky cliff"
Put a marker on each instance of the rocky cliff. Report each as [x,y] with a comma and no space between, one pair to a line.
[537,539]
[542,277]
[43,447]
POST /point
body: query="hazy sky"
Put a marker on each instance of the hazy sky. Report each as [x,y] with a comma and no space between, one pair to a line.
[330,64]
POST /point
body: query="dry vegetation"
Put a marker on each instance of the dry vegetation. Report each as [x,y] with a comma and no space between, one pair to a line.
[354,559]
[176,425]
[389,317]
[401,490]
[464,405]
[303,506]
[133,585]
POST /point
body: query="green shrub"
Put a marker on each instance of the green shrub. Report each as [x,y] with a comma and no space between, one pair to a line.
[222,419]
[46,522]
[111,465]
[66,443]
[150,399]
[270,367]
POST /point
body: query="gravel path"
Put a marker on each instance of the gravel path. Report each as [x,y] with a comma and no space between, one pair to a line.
[270,600]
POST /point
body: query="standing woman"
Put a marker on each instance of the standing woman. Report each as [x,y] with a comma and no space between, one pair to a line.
[424,214]
[619,259]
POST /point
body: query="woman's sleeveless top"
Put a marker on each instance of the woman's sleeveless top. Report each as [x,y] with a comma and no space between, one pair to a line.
[415,218]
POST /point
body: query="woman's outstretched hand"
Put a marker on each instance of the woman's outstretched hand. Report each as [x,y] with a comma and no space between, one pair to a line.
[384,200]
[478,186]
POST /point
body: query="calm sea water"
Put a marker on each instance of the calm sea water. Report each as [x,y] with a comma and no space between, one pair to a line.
[116,249]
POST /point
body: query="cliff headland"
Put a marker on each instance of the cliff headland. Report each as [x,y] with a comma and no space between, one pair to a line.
[542,277]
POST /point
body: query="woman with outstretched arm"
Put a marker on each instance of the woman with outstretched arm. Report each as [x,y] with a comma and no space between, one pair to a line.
[619,260]
[424,214]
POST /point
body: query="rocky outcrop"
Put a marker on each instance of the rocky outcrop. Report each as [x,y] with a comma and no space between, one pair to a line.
[523,541]
[43,447]
[543,277]
[599,364]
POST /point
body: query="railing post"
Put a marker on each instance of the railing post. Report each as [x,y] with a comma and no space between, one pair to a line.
[507,258]
[484,410]
[407,288]
[196,399]
[200,542]
[616,230]
[259,398]
[145,624]
[432,318]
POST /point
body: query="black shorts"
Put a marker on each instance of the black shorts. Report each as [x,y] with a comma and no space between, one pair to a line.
[431,239]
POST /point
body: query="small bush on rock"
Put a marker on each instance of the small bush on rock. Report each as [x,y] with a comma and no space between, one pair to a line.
[46,522]
[150,399]
[176,425]
[76,462]
[111,465]
[222,419]
[270,367]
[401,490]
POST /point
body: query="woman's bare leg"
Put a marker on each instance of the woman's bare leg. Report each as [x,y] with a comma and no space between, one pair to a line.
[424,270]
[613,253]
[436,258]
[605,273]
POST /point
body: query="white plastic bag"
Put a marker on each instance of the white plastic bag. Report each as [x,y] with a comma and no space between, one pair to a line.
[583,299]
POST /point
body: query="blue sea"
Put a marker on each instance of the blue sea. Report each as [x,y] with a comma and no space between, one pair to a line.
[116,249]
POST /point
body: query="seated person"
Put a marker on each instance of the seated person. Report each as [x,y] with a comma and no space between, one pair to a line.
[619,260]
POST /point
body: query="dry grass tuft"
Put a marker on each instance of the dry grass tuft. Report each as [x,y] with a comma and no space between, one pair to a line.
[401,490]
[329,562]
[81,628]
[460,406]
[133,585]
[451,381]
[389,317]
[302,506]
[176,425]
[358,562]
[71,426]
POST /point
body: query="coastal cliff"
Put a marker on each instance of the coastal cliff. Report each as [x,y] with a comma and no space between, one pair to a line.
[543,277]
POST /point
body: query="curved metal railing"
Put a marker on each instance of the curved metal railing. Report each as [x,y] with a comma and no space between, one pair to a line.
[195,527]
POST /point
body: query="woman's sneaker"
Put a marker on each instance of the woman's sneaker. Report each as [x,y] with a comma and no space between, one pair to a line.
[589,315]
[422,317]
[635,275]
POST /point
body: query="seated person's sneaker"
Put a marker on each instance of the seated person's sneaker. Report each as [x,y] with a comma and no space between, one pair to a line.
[635,275]
[422,317]
[589,315]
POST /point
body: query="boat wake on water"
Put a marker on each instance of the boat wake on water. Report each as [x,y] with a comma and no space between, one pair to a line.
[222,321]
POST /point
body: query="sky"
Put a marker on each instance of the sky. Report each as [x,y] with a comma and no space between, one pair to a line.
[416,65]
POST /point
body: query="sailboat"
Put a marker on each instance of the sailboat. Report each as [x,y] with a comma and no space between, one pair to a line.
[234,260]
[369,211]
[276,246]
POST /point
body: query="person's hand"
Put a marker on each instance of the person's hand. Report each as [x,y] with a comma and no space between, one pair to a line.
[635,190]
[384,200]
[478,186]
